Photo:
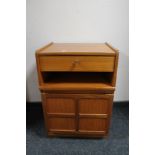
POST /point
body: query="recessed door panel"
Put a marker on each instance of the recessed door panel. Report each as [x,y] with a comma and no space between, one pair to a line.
[93,106]
[60,105]
[92,124]
[60,124]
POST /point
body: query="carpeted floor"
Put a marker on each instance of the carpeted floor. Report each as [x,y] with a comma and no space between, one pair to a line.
[39,144]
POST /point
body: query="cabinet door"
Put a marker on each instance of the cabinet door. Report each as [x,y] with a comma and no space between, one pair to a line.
[60,113]
[77,113]
[94,114]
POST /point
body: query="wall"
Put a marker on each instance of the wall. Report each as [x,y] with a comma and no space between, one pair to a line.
[78,21]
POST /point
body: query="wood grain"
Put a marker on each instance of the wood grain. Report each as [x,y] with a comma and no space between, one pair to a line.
[77,63]
[76,49]
[93,106]
[58,123]
[92,124]
[60,105]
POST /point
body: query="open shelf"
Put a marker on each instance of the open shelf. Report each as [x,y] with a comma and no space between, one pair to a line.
[77,80]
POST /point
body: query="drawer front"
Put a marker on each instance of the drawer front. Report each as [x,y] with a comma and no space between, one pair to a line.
[60,105]
[77,63]
[94,106]
[61,124]
[92,124]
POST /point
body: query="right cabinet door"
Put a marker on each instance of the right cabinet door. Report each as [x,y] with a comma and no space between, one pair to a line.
[94,114]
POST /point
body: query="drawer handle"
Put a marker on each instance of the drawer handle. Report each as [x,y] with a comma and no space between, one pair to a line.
[74,63]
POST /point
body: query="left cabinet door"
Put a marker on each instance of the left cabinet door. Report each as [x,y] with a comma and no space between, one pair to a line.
[59,113]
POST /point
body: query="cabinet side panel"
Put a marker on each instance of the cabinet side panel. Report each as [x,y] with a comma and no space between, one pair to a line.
[115,70]
[40,79]
[43,96]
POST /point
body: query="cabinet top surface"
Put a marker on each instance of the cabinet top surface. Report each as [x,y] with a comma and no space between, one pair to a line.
[77,49]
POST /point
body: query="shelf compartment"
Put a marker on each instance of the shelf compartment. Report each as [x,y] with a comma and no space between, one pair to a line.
[77,81]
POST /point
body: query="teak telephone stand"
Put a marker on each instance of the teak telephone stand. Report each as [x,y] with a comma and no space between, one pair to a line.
[77,84]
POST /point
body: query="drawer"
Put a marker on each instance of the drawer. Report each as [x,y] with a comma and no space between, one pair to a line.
[60,105]
[77,63]
[94,106]
[92,124]
[61,124]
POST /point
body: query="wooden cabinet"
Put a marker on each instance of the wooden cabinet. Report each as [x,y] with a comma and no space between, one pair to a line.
[77,88]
